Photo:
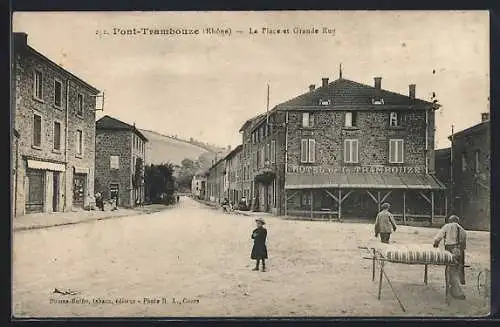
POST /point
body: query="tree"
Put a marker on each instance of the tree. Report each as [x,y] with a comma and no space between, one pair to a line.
[160,183]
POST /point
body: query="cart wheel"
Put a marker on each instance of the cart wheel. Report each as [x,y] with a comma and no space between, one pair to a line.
[484,282]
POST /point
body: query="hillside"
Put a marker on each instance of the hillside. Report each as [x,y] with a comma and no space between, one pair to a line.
[163,149]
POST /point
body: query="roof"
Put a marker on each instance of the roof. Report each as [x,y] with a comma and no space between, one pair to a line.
[363,180]
[40,55]
[446,152]
[110,123]
[346,92]
[233,152]
[251,123]
[471,130]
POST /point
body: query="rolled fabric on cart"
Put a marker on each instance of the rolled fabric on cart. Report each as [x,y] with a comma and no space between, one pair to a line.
[416,254]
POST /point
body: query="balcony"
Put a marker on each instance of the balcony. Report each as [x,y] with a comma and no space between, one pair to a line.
[266,172]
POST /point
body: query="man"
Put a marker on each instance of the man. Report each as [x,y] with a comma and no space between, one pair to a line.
[384,223]
[455,241]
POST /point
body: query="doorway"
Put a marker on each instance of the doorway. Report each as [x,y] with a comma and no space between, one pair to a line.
[55,193]
[79,190]
[36,190]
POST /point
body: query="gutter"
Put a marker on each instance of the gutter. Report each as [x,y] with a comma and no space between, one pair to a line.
[66,132]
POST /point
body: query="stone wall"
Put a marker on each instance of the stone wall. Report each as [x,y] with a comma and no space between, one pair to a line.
[114,143]
[26,62]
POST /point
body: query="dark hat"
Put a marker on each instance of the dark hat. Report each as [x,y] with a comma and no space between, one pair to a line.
[453,218]
[260,220]
[385,205]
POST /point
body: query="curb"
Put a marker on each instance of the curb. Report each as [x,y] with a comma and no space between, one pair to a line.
[26,228]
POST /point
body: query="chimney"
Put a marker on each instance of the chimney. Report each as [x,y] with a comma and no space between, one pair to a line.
[485,116]
[20,38]
[378,82]
[411,92]
[312,87]
[324,81]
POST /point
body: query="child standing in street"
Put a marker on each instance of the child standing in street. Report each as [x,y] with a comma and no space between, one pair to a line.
[259,250]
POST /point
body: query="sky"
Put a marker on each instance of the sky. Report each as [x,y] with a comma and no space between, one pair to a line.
[206,86]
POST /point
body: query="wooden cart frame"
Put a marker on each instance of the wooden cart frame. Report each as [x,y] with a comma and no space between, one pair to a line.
[376,256]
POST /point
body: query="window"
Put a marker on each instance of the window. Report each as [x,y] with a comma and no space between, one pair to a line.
[351,151]
[37,84]
[308,151]
[79,108]
[351,119]
[57,93]
[305,199]
[262,156]
[57,136]
[477,161]
[464,162]
[396,151]
[307,119]
[273,151]
[268,152]
[37,130]
[253,138]
[114,162]
[395,119]
[79,142]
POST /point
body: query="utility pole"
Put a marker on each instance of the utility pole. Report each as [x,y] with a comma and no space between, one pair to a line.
[452,182]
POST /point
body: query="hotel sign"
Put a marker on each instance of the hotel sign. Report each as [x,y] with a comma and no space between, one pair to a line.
[325,170]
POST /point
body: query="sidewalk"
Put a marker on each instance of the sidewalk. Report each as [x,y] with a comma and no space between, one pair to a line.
[46,220]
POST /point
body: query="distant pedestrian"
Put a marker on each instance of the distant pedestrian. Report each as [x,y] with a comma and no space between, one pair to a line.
[177,199]
[259,250]
[455,242]
[384,223]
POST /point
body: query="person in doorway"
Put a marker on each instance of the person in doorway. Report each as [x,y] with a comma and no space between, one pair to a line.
[259,249]
[384,223]
[455,242]
[99,201]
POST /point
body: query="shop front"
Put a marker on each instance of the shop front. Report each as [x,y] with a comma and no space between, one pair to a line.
[357,193]
[264,192]
[80,187]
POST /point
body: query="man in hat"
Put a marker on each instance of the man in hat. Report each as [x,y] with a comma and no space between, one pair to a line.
[259,250]
[384,223]
[455,242]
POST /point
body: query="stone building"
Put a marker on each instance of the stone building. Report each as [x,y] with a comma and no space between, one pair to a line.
[342,149]
[233,169]
[199,185]
[216,181]
[53,115]
[467,162]
[120,158]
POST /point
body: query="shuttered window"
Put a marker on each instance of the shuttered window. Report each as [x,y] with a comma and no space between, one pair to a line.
[351,151]
[307,119]
[37,130]
[308,151]
[57,136]
[273,151]
[396,151]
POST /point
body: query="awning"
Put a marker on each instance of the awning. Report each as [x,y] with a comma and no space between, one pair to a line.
[363,180]
[79,170]
[45,165]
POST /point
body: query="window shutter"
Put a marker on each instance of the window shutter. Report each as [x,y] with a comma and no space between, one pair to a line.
[392,151]
[303,151]
[311,120]
[400,151]
[305,119]
[312,150]
[348,119]
[355,151]
[273,151]
[347,151]
[354,120]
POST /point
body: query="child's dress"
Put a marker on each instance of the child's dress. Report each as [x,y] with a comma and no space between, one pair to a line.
[259,250]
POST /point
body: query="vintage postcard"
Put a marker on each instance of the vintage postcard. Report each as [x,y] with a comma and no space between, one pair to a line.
[250,164]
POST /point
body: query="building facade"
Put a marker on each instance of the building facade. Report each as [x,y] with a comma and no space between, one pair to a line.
[341,150]
[120,160]
[469,180]
[53,120]
[199,185]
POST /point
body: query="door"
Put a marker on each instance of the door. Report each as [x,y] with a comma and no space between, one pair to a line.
[79,190]
[114,192]
[55,193]
[36,190]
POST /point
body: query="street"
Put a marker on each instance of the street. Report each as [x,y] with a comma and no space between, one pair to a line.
[195,261]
